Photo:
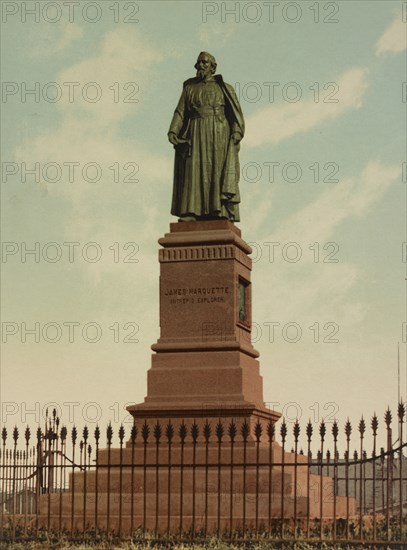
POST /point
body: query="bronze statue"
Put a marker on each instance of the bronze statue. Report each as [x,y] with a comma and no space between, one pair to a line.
[206,130]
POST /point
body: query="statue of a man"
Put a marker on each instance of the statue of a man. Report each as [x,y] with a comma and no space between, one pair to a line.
[206,130]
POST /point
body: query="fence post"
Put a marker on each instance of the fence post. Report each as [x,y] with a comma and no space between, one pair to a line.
[388,419]
[145,432]
[362,428]
[232,431]
[97,438]
[207,433]
[257,432]
[14,455]
[157,437]
[85,435]
[109,436]
[133,435]
[296,432]
[3,478]
[219,431]
[182,432]
[38,488]
[375,425]
[194,435]
[121,439]
[335,432]
[283,434]
[348,432]
[322,432]
[270,433]
[309,431]
[245,431]
[401,412]
[27,436]
[74,435]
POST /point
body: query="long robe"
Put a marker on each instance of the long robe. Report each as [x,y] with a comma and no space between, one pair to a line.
[206,168]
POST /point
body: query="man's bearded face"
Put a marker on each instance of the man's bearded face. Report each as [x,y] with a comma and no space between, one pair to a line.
[204,67]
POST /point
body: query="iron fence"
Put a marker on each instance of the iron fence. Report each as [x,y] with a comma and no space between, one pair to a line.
[187,479]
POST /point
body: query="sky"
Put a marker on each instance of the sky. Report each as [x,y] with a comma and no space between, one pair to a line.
[88,93]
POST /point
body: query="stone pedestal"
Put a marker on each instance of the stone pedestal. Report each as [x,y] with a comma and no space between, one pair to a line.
[204,361]
[197,497]
[204,383]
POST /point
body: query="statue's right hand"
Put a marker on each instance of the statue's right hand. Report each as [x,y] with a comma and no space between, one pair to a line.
[172,138]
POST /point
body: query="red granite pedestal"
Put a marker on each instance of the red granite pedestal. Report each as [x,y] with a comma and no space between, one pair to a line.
[204,371]
[204,362]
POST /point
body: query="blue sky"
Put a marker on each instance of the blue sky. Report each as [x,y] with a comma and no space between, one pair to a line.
[359,60]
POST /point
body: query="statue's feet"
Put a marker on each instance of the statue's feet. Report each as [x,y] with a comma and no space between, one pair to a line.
[213,217]
[190,218]
[207,217]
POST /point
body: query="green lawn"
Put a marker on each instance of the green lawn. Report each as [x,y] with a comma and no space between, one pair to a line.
[212,544]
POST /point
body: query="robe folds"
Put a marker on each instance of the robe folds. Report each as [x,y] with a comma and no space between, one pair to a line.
[206,168]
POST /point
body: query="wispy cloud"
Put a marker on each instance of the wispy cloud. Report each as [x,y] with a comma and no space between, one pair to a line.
[307,289]
[394,38]
[55,39]
[278,122]
[70,34]
[351,198]
[124,57]
[106,210]
[215,34]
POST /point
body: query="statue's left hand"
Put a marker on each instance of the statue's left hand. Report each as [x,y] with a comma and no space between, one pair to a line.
[236,137]
[172,138]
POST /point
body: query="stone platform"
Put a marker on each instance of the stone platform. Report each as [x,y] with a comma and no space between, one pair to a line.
[204,370]
[204,354]
[183,487]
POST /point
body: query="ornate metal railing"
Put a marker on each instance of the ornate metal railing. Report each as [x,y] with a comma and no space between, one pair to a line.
[191,479]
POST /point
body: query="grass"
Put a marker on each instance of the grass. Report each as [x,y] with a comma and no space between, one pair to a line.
[42,539]
[211,544]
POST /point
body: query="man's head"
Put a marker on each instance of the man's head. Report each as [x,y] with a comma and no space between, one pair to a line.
[205,65]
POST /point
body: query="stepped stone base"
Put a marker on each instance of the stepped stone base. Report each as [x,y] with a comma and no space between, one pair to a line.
[204,371]
[200,496]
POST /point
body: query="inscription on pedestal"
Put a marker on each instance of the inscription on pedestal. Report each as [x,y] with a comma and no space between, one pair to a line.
[197,295]
[205,286]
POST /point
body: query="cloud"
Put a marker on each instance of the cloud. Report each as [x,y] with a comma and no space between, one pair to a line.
[107,210]
[124,58]
[216,33]
[55,39]
[352,197]
[88,131]
[278,122]
[307,290]
[394,38]
[308,294]
[70,33]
